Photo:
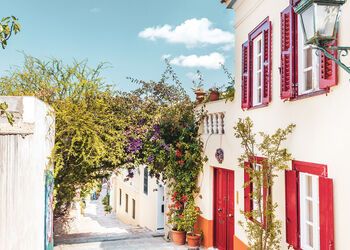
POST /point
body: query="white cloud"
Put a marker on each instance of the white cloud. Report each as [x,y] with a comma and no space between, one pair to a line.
[193,33]
[211,61]
[95,10]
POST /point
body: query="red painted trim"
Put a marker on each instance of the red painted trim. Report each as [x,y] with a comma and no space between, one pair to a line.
[259,160]
[258,29]
[310,168]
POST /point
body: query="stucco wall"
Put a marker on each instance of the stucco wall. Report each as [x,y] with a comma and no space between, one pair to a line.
[146,205]
[321,136]
[24,156]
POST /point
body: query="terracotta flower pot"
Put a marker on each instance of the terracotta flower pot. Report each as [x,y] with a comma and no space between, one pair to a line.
[178,237]
[214,95]
[200,95]
[193,240]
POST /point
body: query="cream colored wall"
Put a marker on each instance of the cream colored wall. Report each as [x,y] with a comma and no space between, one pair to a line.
[321,136]
[146,205]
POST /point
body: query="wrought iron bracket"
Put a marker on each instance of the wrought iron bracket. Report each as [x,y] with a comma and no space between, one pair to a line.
[341,52]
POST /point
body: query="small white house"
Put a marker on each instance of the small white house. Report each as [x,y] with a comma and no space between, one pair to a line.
[138,201]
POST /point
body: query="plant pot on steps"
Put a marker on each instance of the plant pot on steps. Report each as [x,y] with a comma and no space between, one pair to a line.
[193,240]
[178,237]
[214,95]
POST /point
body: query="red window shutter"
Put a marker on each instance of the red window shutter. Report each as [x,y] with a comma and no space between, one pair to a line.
[247,190]
[292,227]
[326,214]
[328,70]
[288,42]
[294,2]
[267,63]
[245,76]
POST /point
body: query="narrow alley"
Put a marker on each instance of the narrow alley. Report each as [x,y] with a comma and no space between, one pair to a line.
[97,230]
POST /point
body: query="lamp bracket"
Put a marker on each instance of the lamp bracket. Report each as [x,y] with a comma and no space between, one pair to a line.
[341,52]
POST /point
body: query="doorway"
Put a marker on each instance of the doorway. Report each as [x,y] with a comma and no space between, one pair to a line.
[223,208]
[160,208]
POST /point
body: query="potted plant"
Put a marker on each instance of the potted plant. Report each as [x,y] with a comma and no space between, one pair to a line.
[176,218]
[200,95]
[198,87]
[214,94]
[191,213]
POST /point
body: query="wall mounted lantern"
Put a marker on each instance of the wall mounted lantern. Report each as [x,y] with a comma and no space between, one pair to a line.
[320,21]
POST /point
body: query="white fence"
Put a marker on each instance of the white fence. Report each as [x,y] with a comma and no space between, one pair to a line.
[25,148]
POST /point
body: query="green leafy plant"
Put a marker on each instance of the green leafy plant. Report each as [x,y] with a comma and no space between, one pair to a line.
[105,202]
[3,111]
[190,213]
[8,25]
[262,227]
[229,92]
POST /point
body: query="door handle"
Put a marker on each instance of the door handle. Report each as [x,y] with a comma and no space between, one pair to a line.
[219,209]
[230,215]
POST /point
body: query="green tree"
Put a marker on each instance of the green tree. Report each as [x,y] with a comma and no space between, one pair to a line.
[8,25]
[89,138]
[261,225]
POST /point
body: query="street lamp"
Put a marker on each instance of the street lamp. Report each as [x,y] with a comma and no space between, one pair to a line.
[320,21]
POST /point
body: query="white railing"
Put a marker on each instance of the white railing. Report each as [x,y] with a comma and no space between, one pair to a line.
[214,123]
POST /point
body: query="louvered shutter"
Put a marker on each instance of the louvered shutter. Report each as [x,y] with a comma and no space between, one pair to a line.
[326,214]
[292,208]
[245,77]
[266,31]
[294,2]
[288,42]
[247,190]
[328,70]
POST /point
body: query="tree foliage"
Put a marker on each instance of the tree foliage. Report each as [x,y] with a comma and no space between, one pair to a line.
[7,26]
[261,225]
[89,139]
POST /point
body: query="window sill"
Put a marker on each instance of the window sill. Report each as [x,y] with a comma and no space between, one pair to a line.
[308,95]
[258,106]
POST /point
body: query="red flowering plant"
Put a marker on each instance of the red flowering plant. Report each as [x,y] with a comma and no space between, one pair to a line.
[176,211]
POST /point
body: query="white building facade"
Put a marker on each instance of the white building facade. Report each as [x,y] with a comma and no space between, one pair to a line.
[139,200]
[280,81]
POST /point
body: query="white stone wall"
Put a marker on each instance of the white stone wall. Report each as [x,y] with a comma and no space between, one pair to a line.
[24,156]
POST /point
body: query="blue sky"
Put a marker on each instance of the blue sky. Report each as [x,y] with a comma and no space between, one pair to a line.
[132,36]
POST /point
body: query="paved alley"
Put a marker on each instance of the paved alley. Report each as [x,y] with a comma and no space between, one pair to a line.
[97,230]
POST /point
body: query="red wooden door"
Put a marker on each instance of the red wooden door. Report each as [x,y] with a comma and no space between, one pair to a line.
[223,208]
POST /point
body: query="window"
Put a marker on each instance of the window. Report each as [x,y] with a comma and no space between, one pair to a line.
[133,208]
[256,67]
[309,207]
[257,70]
[303,72]
[251,204]
[145,181]
[308,66]
[120,196]
[309,211]
[126,203]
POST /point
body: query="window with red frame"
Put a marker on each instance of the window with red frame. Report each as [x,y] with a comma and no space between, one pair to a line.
[250,204]
[303,71]
[256,67]
[309,207]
